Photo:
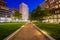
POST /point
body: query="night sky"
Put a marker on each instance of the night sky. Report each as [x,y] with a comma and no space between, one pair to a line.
[32,4]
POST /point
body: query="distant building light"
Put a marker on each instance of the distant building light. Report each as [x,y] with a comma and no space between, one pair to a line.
[56,6]
[59,1]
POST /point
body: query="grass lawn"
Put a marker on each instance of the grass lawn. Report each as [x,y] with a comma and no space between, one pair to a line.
[51,29]
[8,28]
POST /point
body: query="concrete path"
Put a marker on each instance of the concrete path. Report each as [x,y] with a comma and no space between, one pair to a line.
[29,32]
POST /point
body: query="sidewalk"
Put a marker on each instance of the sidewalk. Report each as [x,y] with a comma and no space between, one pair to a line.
[28,32]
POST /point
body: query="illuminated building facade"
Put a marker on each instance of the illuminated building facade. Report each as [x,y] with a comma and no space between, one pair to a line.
[54,6]
[24,10]
[13,12]
[5,13]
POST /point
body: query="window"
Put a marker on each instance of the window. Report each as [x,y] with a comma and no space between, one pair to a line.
[59,1]
[57,11]
[56,6]
[59,5]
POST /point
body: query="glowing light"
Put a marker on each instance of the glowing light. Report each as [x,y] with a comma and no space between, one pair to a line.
[44,32]
[23,26]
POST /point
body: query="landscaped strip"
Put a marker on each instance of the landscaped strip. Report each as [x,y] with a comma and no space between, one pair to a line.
[8,28]
[29,32]
[51,29]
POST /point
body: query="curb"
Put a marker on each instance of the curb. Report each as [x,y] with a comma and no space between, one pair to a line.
[8,37]
[48,36]
[44,33]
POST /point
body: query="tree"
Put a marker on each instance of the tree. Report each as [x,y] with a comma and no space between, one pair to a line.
[17,15]
[38,14]
[32,15]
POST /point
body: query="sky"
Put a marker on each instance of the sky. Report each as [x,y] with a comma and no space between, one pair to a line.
[32,4]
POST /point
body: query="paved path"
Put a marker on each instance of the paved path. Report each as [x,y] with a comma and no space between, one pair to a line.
[28,32]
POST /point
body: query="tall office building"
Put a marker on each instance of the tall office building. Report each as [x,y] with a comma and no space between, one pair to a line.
[24,10]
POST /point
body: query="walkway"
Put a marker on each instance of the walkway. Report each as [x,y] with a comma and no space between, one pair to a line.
[29,32]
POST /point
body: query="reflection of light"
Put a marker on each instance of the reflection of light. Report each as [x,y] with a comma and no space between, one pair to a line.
[34,24]
[44,32]
[23,26]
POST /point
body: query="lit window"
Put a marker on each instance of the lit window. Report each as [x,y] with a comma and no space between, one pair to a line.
[57,11]
[53,7]
[56,6]
[56,2]
[53,0]
[47,6]
[59,1]
[59,5]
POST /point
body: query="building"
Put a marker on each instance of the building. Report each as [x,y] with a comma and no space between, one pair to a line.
[13,11]
[54,6]
[5,12]
[25,11]
[14,18]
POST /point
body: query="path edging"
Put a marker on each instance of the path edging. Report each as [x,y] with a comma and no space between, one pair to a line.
[7,38]
[51,38]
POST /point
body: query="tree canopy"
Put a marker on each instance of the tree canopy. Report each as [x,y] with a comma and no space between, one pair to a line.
[17,15]
[39,14]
